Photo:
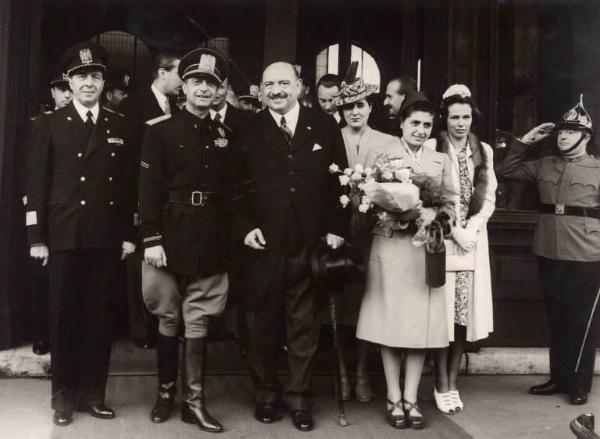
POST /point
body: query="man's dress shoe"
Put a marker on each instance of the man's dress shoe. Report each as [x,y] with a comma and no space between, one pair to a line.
[548,388]
[267,413]
[577,398]
[40,347]
[99,411]
[62,419]
[302,420]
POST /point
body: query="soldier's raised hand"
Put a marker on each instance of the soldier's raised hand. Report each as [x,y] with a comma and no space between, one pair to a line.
[255,239]
[538,133]
[155,256]
[40,251]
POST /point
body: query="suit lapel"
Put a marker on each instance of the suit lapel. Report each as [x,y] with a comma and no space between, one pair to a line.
[303,129]
[273,135]
[75,126]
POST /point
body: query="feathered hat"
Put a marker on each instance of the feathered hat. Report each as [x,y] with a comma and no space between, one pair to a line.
[353,88]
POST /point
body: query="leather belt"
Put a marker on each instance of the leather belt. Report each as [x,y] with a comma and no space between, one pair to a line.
[194,198]
[561,209]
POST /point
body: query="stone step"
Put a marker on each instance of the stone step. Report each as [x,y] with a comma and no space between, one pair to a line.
[128,360]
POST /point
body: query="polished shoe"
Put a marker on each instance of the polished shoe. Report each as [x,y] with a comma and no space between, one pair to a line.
[398,420]
[444,401]
[267,413]
[547,388]
[62,419]
[99,411]
[363,390]
[163,406]
[459,406]
[302,420]
[40,347]
[415,422]
[578,398]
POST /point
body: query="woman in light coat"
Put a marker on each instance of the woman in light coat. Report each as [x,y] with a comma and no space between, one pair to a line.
[468,293]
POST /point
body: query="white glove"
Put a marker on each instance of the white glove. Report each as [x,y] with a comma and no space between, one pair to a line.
[465,238]
[126,249]
[334,241]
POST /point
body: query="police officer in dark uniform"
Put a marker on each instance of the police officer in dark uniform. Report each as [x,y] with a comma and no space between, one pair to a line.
[76,217]
[567,243]
[183,200]
[38,272]
[117,88]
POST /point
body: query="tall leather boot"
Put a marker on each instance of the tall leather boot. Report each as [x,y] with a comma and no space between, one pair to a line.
[167,353]
[193,409]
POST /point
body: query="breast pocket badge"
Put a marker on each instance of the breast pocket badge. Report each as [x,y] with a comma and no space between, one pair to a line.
[116,141]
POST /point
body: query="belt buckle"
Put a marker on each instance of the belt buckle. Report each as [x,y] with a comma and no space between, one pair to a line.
[197,201]
[559,209]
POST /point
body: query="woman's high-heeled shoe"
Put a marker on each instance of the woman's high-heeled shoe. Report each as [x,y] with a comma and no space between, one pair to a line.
[416,422]
[396,421]
[456,401]
[444,402]
[363,390]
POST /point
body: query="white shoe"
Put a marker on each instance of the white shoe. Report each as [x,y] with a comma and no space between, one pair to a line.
[456,401]
[444,402]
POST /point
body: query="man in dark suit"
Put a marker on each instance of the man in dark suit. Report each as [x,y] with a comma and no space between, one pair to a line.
[183,205]
[328,89]
[147,103]
[293,201]
[77,220]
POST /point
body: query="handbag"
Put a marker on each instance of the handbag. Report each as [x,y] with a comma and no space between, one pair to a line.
[435,256]
[457,260]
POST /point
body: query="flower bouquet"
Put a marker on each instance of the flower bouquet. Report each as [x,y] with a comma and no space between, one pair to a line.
[393,192]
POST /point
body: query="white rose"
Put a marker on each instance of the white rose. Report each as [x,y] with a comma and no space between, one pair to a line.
[365,200]
[368,171]
[356,176]
[344,200]
[369,180]
[344,179]
[348,172]
[363,208]
[402,175]
[333,168]
[398,163]
[387,175]
[358,168]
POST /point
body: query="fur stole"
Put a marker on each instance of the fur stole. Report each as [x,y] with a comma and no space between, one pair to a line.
[480,165]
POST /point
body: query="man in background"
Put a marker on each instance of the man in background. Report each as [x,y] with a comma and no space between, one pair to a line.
[328,89]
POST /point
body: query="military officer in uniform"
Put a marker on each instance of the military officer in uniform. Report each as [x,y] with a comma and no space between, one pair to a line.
[567,243]
[76,217]
[183,202]
[38,271]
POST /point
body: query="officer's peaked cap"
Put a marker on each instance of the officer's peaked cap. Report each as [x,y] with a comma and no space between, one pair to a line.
[84,57]
[203,63]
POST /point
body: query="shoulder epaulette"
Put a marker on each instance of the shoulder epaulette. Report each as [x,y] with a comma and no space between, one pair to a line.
[48,112]
[158,119]
[113,111]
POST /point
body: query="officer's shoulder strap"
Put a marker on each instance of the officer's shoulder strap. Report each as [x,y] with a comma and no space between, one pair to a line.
[110,110]
[158,119]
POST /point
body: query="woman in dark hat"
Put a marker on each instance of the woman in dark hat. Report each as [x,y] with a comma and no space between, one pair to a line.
[399,310]
[469,292]
[355,105]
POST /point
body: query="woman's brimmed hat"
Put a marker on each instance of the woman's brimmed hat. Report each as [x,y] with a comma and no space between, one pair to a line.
[459,90]
[353,89]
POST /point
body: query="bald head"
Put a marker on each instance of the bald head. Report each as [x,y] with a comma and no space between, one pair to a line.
[280,87]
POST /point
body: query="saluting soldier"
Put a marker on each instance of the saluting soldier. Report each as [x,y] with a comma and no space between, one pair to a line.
[567,243]
[76,217]
[38,271]
[183,200]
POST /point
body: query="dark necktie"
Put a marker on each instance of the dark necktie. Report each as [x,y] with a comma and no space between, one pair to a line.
[218,118]
[89,122]
[285,130]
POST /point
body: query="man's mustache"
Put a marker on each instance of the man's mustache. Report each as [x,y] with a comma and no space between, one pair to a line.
[281,95]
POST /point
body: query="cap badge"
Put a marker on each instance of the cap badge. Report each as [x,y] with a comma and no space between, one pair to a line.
[207,62]
[65,77]
[126,80]
[85,55]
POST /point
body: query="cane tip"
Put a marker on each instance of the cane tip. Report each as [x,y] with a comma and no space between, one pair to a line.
[343,421]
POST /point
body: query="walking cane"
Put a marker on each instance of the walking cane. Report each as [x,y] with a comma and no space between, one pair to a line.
[322,268]
[587,331]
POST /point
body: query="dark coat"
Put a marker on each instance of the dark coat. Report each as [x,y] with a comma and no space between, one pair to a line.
[279,177]
[182,153]
[78,197]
